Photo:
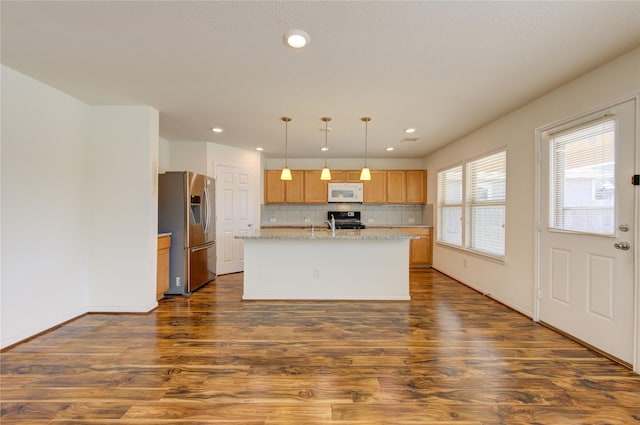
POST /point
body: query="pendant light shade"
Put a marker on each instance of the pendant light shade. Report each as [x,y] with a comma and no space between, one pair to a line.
[326,173]
[286,172]
[365,174]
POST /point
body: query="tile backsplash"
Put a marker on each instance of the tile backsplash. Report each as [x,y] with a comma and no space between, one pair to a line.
[371,215]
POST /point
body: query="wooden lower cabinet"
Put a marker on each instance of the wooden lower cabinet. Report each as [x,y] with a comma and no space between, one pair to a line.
[420,250]
[162,279]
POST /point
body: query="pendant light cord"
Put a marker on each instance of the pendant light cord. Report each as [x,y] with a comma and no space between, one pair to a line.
[366,128]
[366,138]
[326,130]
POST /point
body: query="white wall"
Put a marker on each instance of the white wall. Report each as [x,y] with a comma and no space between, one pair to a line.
[124,208]
[44,210]
[513,282]
[188,156]
[78,207]
[164,154]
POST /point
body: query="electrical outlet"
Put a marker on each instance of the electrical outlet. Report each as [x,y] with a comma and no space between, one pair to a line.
[464,262]
[178,281]
[307,220]
[272,220]
[370,220]
[316,273]
[412,220]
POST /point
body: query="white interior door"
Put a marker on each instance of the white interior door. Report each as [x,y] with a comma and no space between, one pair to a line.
[587,229]
[234,216]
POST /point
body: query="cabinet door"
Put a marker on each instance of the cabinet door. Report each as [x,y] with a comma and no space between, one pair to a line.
[396,187]
[273,187]
[420,250]
[375,190]
[294,188]
[338,176]
[353,176]
[162,276]
[416,187]
[315,190]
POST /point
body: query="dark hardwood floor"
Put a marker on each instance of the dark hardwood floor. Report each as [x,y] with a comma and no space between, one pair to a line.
[450,356]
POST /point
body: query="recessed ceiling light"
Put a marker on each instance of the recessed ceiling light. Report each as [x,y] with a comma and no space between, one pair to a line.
[409,130]
[324,149]
[259,149]
[217,130]
[296,38]
[390,148]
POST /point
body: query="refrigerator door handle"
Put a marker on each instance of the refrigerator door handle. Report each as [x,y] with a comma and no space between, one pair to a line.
[208,213]
[205,206]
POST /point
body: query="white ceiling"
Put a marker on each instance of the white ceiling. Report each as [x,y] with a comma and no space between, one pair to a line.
[446,68]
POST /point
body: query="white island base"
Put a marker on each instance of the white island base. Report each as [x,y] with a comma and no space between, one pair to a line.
[327,268]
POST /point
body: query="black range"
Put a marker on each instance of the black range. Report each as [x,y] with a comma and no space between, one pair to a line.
[346,219]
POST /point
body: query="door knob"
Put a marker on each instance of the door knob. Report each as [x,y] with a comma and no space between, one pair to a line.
[622,245]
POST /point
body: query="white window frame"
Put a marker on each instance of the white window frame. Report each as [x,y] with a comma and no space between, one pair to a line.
[441,205]
[467,204]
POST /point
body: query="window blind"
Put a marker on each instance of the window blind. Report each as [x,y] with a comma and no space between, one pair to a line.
[486,203]
[450,206]
[582,192]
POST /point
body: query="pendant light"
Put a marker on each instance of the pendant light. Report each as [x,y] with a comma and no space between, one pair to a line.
[365,174]
[286,172]
[326,173]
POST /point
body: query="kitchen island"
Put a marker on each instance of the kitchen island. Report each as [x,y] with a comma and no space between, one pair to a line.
[301,264]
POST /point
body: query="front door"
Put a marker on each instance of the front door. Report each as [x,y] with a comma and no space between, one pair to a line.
[234,216]
[587,229]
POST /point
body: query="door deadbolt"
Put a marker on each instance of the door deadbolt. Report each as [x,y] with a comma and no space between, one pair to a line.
[624,227]
[622,245]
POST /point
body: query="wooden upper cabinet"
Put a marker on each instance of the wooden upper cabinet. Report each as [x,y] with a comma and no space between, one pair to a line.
[416,187]
[375,190]
[345,176]
[385,186]
[396,187]
[294,188]
[315,190]
[278,191]
[273,187]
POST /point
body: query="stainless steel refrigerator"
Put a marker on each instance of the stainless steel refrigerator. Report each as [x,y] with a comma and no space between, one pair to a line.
[186,209]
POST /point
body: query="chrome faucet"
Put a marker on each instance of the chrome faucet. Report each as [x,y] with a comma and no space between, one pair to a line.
[332,224]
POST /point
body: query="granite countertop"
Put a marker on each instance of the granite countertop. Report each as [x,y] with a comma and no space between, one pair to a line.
[323,233]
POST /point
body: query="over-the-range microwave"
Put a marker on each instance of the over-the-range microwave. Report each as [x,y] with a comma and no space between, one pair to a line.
[346,192]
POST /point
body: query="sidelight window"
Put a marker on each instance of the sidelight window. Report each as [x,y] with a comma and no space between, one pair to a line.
[472,204]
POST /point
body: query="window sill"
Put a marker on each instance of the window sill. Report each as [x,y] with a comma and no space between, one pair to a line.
[482,255]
